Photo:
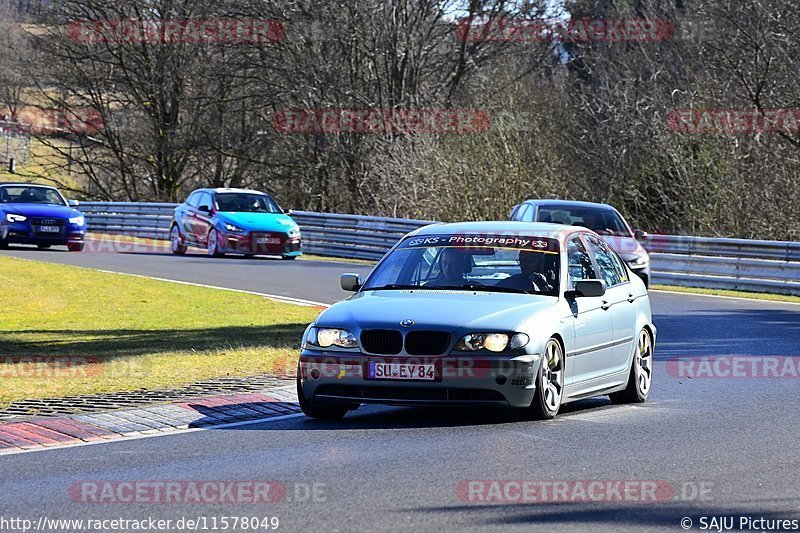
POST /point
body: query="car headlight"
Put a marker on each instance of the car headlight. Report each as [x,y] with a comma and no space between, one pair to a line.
[326,337]
[233,229]
[639,260]
[294,232]
[16,218]
[78,221]
[494,342]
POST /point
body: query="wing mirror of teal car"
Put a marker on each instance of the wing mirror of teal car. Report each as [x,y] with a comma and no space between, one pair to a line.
[350,282]
[587,288]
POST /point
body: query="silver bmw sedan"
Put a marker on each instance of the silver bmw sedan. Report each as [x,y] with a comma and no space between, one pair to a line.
[514,314]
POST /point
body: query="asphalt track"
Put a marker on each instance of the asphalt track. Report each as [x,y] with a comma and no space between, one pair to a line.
[727,447]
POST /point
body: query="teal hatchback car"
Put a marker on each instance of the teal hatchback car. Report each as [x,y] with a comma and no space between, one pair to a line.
[237,221]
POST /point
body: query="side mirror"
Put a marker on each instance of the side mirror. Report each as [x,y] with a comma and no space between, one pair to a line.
[204,208]
[640,235]
[287,211]
[73,203]
[588,288]
[350,282]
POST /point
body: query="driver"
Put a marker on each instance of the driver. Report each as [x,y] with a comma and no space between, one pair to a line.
[455,264]
[594,221]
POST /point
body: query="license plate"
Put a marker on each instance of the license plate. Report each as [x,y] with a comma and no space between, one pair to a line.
[270,240]
[49,229]
[416,372]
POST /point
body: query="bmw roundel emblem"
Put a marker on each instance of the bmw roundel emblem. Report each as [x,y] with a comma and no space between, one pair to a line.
[407,323]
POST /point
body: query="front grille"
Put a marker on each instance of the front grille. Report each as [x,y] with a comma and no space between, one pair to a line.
[427,342]
[36,223]
[382,341]
[430,394]
[276,245]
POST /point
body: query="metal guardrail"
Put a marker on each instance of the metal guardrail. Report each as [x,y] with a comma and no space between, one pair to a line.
[737,264]
[150,220]
[353,236]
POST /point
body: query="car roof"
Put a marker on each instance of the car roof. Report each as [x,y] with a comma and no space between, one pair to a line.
[566,203]
[534,229]
[228,189]
[13,184]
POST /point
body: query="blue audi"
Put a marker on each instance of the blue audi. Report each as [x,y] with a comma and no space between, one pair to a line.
[39,215]
[238,221]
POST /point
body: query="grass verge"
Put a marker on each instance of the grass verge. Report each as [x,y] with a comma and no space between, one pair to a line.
[734,294]
[69,330]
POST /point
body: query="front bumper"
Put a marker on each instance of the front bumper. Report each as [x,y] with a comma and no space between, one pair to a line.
[22,233]
[343,379]
[643,273]
[262,243]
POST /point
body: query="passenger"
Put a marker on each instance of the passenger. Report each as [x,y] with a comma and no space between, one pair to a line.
[536,274]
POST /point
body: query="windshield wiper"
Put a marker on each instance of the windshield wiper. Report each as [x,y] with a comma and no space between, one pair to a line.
[484,288]
[393,287]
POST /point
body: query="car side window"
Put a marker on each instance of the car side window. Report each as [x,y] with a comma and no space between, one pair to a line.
[527,215]
[605,260]
[523,213]
[205,200]
[620,266]
[580,263]
[193,199]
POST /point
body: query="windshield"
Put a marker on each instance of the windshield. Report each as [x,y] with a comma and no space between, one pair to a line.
[602,221]
[493,263]
[246,203]
[30,195]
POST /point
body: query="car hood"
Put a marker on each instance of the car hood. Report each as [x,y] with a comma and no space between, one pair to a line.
[627,247]
[259,221]
[449,310]
[40,210]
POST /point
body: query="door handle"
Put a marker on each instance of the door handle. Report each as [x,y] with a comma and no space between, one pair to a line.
[631,298]
[605,305]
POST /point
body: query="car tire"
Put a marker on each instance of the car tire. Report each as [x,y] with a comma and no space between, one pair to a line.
[289,257]
[3,244]
[313,411]
[176,241]
[212,244]
[549,382]
[43,246]
[75,246]
[640,378]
